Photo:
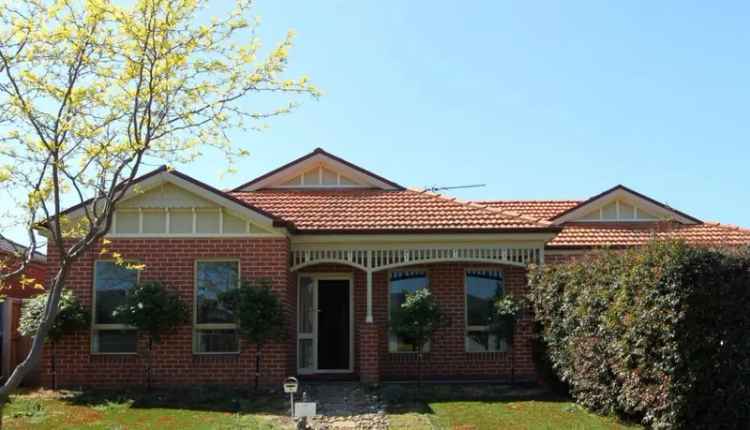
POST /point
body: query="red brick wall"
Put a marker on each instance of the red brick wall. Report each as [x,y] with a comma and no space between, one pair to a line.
[13,288]
[172,262]
[447,359]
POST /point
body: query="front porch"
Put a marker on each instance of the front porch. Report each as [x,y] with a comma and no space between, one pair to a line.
[342,311]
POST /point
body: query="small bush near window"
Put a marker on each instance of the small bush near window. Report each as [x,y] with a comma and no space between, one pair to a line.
[658,333]
[71,316]
[152,309]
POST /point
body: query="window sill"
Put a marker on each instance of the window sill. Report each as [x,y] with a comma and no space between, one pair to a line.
[486,355]
[215,356]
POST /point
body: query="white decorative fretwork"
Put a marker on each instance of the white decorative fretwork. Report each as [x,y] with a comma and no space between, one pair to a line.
[380,259]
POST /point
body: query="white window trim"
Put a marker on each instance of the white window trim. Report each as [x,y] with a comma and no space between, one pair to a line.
[223,326]
[98,327]
[482,328]
[392,347]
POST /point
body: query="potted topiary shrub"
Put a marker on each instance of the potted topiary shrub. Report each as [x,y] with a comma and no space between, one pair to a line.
[152,309]
[259,314]
[71,317]
[417,320]
[502,324]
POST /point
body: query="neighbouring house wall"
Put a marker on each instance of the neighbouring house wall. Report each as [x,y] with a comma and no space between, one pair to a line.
[172,261]
[13,288]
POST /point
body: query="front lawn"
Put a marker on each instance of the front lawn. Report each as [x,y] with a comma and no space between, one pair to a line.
[208,409]
[457,407]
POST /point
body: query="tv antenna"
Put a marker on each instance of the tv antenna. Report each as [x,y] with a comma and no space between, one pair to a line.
[435,188]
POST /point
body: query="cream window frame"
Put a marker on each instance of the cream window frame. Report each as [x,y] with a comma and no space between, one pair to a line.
[98,327]
[392,347]
[219,326]
[478,328]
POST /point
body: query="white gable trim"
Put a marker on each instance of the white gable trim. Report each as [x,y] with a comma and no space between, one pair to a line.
[229,206]
[622,194]
[277,179]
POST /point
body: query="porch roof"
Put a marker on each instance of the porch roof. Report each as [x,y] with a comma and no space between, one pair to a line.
[386,211]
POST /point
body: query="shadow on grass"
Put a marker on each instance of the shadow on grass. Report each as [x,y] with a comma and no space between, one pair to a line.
[199,398]
[408,398]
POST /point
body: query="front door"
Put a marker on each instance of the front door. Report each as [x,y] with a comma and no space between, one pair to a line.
[324,324]
[333,325]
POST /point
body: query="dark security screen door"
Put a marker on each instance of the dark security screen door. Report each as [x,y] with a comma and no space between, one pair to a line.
[333,324]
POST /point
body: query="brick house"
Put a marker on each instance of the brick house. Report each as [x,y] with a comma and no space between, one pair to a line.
[341,246]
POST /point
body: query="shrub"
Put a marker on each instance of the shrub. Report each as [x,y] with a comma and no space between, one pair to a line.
[417,319]
[657,333]
[153,309]
[71,316]
[259,314]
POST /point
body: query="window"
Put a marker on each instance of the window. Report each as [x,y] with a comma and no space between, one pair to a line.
[483,287]
[215,327]
[400,284]
[111,285]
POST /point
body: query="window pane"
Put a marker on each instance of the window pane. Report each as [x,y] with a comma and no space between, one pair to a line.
[112,283]
[482,289]
[115,341]
[306,310]
[400,284]
[217,341]
[214,278]
[305,354]
[482,341]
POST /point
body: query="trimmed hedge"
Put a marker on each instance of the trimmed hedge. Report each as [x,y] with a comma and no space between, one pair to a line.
[660,334]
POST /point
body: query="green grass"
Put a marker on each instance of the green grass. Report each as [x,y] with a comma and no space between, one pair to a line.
[48,410]
[452,407]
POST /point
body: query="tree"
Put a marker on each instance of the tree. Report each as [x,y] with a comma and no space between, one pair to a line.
[152,309]
[71,317]
[417,320]
[91,90]
[259,315]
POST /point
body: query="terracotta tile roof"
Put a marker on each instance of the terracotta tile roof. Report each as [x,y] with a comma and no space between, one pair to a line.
[584,235]
[544,209]
[373,210]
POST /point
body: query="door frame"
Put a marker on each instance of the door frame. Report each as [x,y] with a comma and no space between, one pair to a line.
[316,278]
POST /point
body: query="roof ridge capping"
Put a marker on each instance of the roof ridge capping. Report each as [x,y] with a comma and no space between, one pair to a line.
[474,205]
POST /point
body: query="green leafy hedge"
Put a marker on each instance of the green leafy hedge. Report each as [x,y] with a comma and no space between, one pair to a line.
[659,333]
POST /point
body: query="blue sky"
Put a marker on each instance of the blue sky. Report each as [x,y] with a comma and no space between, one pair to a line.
[538,100]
